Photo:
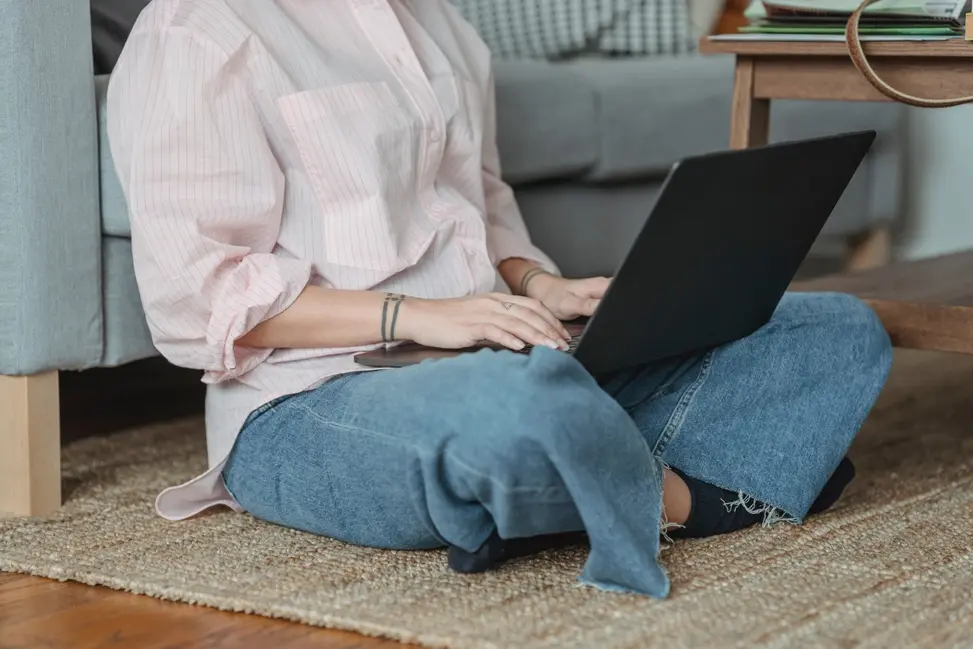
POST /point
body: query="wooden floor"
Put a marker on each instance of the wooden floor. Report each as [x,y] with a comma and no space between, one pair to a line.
[39,613]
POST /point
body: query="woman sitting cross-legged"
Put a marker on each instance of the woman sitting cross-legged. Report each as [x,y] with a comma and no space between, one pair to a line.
[289,167]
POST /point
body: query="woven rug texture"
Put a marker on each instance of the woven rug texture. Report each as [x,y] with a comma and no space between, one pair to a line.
[890,566]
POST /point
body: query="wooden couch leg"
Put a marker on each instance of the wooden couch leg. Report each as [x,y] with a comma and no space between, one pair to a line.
[868,250]
[30,445]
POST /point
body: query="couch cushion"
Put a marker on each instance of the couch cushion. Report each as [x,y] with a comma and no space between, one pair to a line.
[545,118]
[127,336]
[653,112]
[114,211]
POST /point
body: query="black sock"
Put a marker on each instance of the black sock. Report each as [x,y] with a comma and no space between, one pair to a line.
[832,491]
[495,551]
[709,515]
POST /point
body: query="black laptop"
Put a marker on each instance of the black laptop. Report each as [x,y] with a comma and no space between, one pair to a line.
[719,249]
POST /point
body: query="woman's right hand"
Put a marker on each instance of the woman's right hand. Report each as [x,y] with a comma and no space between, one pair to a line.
[508,320]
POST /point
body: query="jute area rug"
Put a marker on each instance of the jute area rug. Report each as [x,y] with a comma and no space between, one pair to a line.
[892,566]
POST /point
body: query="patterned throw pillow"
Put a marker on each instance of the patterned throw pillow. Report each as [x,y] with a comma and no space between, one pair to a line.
[552,29]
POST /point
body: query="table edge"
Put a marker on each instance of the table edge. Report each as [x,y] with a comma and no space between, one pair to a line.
[957,48]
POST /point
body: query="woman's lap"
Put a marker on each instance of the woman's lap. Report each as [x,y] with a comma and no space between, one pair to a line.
[409,458]
[444,452]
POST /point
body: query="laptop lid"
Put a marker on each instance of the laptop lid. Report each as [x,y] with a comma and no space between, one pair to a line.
[719,249]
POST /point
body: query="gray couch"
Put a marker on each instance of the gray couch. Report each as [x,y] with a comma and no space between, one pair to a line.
[586,144]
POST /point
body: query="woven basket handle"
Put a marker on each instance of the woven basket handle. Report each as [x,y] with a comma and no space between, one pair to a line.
[858,58]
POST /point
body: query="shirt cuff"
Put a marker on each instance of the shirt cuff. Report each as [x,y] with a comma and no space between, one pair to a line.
[263,287]
[507,244]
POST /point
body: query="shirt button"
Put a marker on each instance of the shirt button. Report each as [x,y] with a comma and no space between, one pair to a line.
[435,135]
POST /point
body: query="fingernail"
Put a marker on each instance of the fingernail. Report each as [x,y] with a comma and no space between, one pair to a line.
[553,345]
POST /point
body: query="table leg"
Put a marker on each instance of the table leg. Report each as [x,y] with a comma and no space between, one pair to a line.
[871,249]
[750,121]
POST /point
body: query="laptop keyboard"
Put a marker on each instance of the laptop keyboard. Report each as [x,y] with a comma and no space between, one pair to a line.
[572,345]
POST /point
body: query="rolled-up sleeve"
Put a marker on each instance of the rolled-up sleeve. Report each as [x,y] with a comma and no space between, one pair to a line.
[205,195]
[507,235]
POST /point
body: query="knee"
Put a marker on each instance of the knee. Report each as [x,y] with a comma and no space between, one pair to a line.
[861,328]
[848,333]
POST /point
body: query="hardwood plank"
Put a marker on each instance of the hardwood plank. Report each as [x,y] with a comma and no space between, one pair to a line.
[957,48]
[781,77]
[926,326]
[946,280]
[30,445]
[38,612]
[926,304]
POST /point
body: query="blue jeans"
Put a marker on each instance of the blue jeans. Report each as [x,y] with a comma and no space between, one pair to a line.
[446,452]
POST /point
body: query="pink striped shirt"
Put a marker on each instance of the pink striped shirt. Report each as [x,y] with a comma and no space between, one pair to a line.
[265,145]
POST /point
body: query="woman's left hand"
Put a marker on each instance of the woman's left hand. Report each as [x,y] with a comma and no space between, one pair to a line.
[568,298]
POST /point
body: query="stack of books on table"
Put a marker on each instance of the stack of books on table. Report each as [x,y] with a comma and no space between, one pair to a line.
[824,20]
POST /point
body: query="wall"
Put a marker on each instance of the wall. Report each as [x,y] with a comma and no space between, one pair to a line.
[939,210]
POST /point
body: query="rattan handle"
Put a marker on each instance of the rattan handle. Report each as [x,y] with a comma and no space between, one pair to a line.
[861,62]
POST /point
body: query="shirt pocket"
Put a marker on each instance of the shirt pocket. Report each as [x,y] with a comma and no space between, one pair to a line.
[359,146]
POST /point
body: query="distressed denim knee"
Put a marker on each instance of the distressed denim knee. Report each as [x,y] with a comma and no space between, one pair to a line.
[848,334]
[775,412]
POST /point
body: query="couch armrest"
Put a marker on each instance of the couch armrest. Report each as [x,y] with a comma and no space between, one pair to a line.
[50,233]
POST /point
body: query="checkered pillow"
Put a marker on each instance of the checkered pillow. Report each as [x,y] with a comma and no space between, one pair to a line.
[552,29]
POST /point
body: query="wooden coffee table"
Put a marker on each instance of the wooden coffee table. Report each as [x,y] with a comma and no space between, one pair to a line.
[767,70]
[926,304]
